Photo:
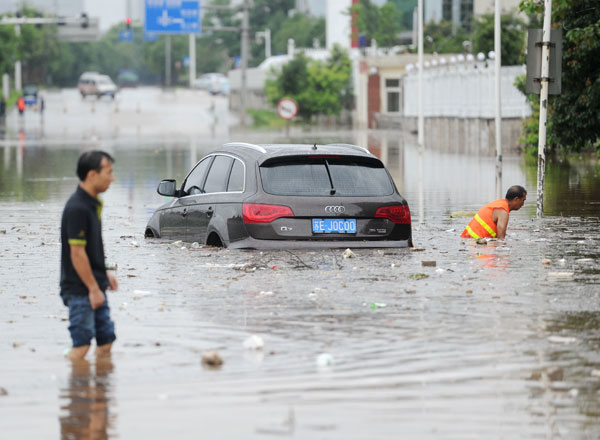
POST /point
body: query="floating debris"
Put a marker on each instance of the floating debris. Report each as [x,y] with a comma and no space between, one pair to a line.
[246,267]
[266,293]
[560,276]
[562,339]
[349,254]
[546,261]
[212,359]
[463,214]
[428,263]
[419,276]
[254,342]
[553,374]
[481,241]
[325,360]
[376,305]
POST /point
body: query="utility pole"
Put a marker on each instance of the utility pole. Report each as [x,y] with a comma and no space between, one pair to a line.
[18,73]
[192,66]
[421,118]
[497,64]
[244,61]
[543,107]
[167,60]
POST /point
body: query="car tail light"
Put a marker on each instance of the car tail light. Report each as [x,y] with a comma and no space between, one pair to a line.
[397,213]
[259,213]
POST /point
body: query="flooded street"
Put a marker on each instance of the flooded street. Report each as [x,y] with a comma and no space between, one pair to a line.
[491,342]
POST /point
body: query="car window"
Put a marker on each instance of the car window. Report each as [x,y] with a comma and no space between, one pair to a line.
[217,176]
[349,177]
[296,179]
[359,179]
[193,184]
[236,178]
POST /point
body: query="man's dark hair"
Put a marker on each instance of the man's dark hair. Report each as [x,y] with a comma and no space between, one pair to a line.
[515,191]
[91,160]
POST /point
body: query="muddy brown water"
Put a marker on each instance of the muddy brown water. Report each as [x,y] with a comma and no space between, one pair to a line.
[489,343]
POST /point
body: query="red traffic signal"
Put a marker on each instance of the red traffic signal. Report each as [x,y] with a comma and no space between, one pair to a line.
[128,23]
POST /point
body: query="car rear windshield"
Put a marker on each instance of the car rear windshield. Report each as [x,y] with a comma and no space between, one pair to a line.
[326,177]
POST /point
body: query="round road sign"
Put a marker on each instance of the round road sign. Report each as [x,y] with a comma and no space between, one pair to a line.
[287,108]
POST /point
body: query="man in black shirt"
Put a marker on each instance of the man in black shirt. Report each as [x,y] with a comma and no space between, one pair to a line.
[83,275]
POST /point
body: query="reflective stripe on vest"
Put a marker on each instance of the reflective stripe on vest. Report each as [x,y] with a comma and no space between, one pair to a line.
[485,226]
[471,233]
[482,225]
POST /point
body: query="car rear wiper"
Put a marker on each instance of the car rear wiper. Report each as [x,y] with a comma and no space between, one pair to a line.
[332,190]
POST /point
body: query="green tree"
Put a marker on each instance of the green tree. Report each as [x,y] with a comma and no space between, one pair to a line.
[317,87]
[390,24]
[8,48]
[512,43]
[438,38]
[379,24]
[574,115]
[302,29]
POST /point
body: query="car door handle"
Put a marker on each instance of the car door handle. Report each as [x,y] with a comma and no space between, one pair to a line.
[184,212]
[209,211]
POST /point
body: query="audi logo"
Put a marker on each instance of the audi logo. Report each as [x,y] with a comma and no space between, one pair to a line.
[335,209]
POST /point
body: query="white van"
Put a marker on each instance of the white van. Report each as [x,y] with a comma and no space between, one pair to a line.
[93,83]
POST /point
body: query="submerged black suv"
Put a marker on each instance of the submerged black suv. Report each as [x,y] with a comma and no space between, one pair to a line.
[285,196]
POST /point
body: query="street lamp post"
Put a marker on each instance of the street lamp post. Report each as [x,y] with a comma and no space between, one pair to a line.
[266,34]
[497,60]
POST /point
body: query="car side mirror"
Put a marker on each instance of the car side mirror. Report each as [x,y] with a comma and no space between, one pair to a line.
[167,187]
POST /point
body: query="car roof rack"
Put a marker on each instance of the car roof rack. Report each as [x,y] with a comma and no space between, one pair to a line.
[246,145]
[354,147]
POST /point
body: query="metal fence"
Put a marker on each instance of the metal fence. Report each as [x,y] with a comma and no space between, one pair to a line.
[464,90]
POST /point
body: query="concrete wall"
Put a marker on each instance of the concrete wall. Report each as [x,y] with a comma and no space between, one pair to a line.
[461,135]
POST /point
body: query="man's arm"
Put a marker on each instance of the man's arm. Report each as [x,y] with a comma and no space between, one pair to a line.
[82,266]
[500,216]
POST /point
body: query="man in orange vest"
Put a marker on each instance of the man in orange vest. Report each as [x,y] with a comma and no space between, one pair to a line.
[21,105]
[491,220]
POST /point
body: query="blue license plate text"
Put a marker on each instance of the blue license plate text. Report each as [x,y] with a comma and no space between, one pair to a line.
[334,225]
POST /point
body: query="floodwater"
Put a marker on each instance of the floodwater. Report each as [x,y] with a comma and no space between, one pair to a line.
[489,343]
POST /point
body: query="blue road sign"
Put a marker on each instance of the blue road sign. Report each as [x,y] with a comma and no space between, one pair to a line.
[126,35]
[186,61]
[172,16]
[150,36]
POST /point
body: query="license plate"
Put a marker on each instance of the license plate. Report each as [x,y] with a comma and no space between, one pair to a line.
[334,225]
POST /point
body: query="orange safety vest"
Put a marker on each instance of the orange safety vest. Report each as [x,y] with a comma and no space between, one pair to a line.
[482,225]
[21,104]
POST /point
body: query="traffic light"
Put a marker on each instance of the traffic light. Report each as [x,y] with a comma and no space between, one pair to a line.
[85,21]
[128,23]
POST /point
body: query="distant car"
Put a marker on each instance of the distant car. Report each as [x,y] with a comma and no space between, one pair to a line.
[30,94]
[214,83]
[128,78]
[285,196]
[93,83]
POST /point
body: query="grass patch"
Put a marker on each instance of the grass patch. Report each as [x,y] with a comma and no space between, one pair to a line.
[265,119]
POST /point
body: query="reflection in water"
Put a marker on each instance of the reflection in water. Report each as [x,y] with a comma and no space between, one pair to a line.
[86,410]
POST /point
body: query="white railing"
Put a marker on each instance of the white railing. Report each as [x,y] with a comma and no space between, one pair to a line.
[464,90]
